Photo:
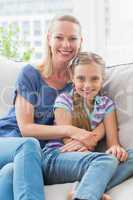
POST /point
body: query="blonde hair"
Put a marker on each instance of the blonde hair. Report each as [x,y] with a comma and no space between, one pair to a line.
[79,117]
[48,69]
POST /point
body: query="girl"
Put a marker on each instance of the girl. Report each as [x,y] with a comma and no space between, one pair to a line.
[85,108]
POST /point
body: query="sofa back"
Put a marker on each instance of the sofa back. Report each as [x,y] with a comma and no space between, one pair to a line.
[8,73]
[118,85]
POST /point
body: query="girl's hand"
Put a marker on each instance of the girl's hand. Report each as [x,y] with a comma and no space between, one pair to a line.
[119,152]
[73,145]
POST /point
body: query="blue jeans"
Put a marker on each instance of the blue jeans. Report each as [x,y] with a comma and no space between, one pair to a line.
[124,171]
[93,170]
[20,169]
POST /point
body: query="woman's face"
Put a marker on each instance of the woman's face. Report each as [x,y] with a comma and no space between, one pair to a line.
[64,41]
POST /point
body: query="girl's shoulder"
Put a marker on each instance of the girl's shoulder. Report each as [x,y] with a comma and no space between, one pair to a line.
[103,99]
[65,96]
[104,102]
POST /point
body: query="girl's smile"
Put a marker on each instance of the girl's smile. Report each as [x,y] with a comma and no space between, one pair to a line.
[87,80]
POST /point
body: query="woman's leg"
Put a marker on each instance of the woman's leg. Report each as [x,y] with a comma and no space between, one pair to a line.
[123,172]
[6,182]
[25,153]
[93,170]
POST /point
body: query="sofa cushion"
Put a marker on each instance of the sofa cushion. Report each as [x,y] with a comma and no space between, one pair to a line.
[9,70]
[124,191]
[119,86]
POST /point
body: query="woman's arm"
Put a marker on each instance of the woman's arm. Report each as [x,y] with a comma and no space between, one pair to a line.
[25,120]
[112,139]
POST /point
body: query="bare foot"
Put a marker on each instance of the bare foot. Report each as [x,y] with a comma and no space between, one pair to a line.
[69,196]
[106,197]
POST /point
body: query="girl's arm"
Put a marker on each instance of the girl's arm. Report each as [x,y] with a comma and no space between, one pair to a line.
[90,139]
[110,123]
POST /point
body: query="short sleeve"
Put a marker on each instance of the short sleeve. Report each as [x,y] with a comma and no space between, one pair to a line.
[109,105]
[64,101]
[26,84]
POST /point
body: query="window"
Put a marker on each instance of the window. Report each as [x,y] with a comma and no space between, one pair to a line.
[107,24]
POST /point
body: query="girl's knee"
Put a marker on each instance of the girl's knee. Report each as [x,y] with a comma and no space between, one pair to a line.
[108,160]
[130,154]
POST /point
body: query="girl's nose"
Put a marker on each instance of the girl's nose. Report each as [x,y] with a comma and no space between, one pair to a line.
[87,84]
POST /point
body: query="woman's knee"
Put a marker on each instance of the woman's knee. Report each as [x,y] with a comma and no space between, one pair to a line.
[6,182]
[6,173]
[30,145]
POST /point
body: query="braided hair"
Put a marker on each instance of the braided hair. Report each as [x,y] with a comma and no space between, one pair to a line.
[79,116]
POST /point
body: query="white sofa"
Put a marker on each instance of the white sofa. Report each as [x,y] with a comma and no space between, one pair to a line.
[118,85]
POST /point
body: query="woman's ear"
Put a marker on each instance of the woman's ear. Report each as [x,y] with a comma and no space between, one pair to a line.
[49,38]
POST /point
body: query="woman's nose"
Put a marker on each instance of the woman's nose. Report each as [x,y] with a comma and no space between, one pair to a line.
[66,43]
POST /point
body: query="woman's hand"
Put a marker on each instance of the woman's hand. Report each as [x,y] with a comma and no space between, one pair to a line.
[87,138]
[73,145]
[119,152]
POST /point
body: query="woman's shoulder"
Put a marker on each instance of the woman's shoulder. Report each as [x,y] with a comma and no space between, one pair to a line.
[30,69]
[29,72]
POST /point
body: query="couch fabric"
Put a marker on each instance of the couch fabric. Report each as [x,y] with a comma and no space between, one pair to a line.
[118,85]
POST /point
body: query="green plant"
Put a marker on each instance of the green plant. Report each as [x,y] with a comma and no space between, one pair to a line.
[11,46]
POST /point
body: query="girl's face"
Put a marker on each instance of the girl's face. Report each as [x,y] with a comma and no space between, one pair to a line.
[87,80]
[64,41]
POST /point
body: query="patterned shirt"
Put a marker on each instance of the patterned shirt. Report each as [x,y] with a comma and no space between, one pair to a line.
[103,105]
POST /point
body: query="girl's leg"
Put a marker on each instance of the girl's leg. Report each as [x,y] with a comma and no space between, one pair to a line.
[93,170]
[6,182]
[123,172]
[25,153]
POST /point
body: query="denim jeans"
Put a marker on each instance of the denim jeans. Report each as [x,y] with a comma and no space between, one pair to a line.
[93,170]
[124,171]
[20,169]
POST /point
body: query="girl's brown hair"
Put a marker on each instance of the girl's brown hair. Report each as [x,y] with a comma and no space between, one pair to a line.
[79,117]
[48,69]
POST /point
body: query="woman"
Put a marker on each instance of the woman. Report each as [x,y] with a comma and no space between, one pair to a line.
[32,114]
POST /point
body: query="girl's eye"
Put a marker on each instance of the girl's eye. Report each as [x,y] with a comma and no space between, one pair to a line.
[81,78]
[95,78]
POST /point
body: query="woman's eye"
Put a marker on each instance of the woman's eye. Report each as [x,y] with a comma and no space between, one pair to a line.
[59,37]
[73,39]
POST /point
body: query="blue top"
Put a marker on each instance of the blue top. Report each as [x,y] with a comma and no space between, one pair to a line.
[35,90]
